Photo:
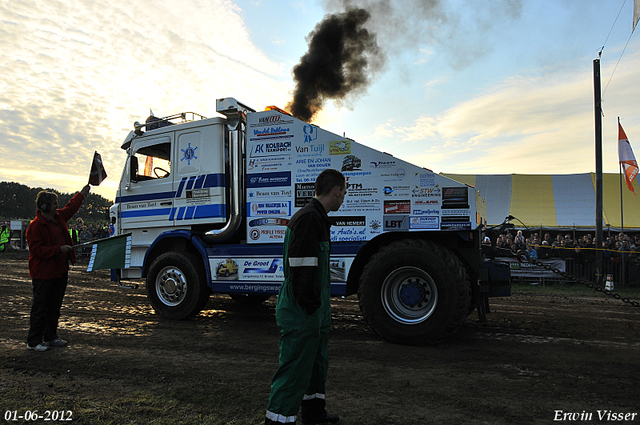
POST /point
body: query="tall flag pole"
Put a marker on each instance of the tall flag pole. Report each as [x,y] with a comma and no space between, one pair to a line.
[597,94]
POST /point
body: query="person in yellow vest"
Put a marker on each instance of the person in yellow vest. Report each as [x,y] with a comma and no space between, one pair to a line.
[5,236]
[73,232]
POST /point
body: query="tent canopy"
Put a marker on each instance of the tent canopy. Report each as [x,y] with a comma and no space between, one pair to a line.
[555,201]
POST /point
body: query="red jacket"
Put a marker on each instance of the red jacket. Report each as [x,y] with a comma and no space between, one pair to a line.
[46,260]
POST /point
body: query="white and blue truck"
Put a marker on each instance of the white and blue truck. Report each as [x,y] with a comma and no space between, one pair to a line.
[207,201]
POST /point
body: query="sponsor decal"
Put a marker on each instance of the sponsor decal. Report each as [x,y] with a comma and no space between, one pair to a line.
[396,222]
[226,269]
[391,190]
[321,163]
[397,207]
[393,175]
[382,164]
[310,133]
[270,120]
[425,202]
[340,147]
[140,205]
[304,193]
[455,218]
[359,190]
[272,131]
[426,179]
[345,234]
[261,266]
[346,221]
[360,205]
[189,154]
[456,212]
[269,193]
[455,197]
[310,150]
[426,211]
[424,223]
[282,178]
[348,174]
[197,193]
[269,222]
[268,163]
[269,208]
[260,150]
[247,269]
[254,234]
[426,192]
[456,226]
[351,163]
[267,234]
[375,226]
[197,196]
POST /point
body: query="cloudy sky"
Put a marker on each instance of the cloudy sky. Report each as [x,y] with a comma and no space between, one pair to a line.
[497,87]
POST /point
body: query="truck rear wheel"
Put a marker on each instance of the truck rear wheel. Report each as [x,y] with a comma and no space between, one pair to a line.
[414,292]
[176,285]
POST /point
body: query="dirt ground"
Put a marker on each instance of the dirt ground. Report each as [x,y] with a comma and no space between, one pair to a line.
[537,360]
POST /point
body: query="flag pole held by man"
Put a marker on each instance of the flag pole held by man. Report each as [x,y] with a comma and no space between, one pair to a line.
[113,252]
[98,174]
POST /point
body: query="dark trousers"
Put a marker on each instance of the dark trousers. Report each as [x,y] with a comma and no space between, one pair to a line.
[45,310]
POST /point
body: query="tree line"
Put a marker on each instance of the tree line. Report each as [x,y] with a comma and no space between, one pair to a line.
[18,202]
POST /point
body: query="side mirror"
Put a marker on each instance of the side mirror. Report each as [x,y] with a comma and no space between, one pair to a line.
[133,169]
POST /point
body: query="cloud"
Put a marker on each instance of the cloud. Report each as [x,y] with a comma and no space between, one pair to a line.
[76,75]
[542,122]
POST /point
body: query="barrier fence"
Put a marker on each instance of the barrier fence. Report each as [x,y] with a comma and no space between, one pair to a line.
[581,268]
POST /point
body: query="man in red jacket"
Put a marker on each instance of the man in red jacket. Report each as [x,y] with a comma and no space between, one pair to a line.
[50,250]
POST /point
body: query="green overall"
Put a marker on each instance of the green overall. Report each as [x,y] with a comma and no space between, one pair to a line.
[4,238]
[303,362]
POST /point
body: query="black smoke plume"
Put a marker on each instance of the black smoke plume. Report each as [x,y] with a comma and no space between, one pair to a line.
[342,56]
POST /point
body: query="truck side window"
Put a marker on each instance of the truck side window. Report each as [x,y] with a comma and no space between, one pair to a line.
[154,162]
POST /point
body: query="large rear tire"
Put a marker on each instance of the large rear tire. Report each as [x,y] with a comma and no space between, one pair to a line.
[414,292]
[176,285]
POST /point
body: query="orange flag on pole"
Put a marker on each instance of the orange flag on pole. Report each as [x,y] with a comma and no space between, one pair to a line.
[627,159]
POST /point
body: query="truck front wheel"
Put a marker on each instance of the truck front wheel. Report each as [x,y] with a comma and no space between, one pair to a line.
[176,285]
[414,292]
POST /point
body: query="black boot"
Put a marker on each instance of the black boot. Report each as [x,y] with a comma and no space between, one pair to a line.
[312,412]
[328,418]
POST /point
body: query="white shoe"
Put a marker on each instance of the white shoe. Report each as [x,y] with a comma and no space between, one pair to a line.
[39,347]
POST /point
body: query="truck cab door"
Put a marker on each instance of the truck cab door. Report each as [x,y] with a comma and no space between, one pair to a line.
[148,195]
[200,174]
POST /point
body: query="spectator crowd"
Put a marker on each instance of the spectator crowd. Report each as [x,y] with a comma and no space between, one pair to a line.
[579,252]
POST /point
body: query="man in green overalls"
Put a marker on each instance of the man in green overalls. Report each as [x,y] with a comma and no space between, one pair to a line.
[303,311]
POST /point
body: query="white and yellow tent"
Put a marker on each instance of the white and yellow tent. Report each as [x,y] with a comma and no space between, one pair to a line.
[555,201]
